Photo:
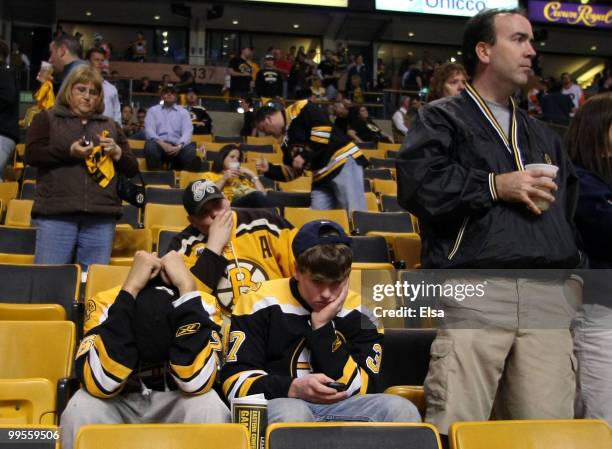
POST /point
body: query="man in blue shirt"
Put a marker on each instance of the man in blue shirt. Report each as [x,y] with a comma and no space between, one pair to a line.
[168,129]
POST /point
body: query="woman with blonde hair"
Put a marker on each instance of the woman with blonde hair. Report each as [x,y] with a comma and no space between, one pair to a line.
[79,154]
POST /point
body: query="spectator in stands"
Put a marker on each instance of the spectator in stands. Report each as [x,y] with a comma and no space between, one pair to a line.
[165,81]
[557,107]
[241,73]
[412,79]
[239,184]
[230,251]
[355,93]
[448,80]
[382,79]
[139,48]
[143,359]
[328,70]
[315,354]
[361,70]
[79,154]
[589,144]
[202,123]
[283,65]
[169,130]
[140,133]
[145,85]
[9,109]
[317,91]
[64,55]
[365,128]
[269,81]
[301,72]
[104,47]
[572,89]
[129,125]
[112,107]
[400,122]
[478,208]
[186,80]
[44,96]
[312,143]
[246,108]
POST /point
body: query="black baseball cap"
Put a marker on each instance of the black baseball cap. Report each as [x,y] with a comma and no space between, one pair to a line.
[317,232]
[168,88]
[198,193]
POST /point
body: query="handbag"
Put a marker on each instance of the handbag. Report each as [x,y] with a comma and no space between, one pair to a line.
[132,193]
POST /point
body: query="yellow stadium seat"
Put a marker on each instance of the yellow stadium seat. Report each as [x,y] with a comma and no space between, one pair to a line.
[202,138]
[263,140]
[414,393]
[301,184]
[215,146]
[356,435]
[8,191]
[157,216]
[389,146]
[163,436]
[384,186]
[142,164]
[185,177]
[18,156]
[407,247]
[272,158]
[371,201]
[531,434]
[32,312]
[380,154]
[136,144]
[127,242]
[299,216]
[104,277]
[40,354]
[18,213]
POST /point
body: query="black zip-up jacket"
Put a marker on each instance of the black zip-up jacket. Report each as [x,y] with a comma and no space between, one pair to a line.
[445,174]
[9,104]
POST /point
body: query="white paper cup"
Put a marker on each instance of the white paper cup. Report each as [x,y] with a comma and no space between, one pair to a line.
[234,165]
[551,170]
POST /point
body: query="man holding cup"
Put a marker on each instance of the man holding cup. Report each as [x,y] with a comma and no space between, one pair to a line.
[493,189]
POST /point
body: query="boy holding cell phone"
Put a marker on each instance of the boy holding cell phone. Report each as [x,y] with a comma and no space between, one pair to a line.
[304,343]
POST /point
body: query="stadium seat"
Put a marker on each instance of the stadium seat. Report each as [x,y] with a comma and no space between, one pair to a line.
[28,190]
[18,213]
[377,173]
[384,186]
[163,241]
[136,144]
[390,154]
[127,242]
[160,195]
[41,355]
[32,312]
[157,216]
[290,199]
[104,277]
[370,249]
[301,184]
[372,152]
[213,147]
[367,145]
[531,434]
[389,146]
[407,248]
[367,185]
[8,191]
[228,139]
[202,138]
[299,216]
[261,140]
[185,177]
[130,216]
[142,164]
[272,158]
[365,222]
[29,173]
[353,435]
[139,153]
[414,393]
[160,177]
[42,284]
[269,148]
[17,245]
[371,201]
[163,436]
[18,156]
[389,204]
[382,163]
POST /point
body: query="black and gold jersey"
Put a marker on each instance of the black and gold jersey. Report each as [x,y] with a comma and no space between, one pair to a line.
[108,358]
[326,147]
[271,342]
[259,250]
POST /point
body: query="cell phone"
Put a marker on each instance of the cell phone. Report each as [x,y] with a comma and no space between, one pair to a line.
[338,386]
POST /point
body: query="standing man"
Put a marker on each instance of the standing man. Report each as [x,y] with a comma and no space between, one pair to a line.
[186,79]
[169,130]
[312,142]
[112,106]
[462,172]
[64,55]
[241,73]
[202,123]
[401,120]
[9,109]
[269,81]
[573,90]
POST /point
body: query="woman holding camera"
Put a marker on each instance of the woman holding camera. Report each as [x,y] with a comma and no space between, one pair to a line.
[79,154]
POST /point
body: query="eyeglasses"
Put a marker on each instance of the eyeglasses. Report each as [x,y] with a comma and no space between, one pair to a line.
[83,90]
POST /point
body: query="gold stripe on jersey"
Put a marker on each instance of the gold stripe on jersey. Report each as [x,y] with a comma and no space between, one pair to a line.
[246,385]
[292,111]
[318,139]
[203,380]
[349,372]
[92,386]
[187,372]
[110,366]
[337,160]
[232,385]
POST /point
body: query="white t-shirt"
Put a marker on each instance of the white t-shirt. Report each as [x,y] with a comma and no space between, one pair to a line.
[574,92]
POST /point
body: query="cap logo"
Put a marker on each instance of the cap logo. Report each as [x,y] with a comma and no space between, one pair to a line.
[201,188]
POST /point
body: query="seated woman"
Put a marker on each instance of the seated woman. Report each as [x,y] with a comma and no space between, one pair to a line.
[365,128]
[239,184]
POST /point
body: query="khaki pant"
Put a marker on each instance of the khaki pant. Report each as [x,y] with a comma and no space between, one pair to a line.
[508,354]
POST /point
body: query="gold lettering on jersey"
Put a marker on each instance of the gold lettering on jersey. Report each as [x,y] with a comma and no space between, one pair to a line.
[337,343]
[265,247]
[86,345]
[187,329]
[239,280]
[547,158]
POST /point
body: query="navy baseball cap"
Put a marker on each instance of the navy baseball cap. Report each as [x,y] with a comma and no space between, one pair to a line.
[317,232]
[198,193]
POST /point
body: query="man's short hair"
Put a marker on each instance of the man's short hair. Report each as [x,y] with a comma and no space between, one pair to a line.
[93,50]
[70,43]
[481,28]
[263,112]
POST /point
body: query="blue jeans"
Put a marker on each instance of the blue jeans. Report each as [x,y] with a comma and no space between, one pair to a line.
[82,239]
[366,408]
[345,191]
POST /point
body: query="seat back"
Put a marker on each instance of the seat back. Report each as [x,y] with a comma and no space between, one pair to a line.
[301,184]
[160,177]
[17,245]
[298,216]
[384,186]
[130,215]
[104,277]
[164,196]
[390,204]
[352,435]
[261,140]
[289,199]
[8,191]
[127,242]
[18,213]
[371,202]
[157,216]
[267,148]
[364,222]
[28,190]
[382,163]
[531,434]
[389,146]
[163,241]
[32,312]
[377,173]
[163,436]
[201,138]
[228,139]
[370,249]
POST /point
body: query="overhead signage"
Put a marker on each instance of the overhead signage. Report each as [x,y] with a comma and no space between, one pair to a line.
[592,16]
[335,3]
[465,8]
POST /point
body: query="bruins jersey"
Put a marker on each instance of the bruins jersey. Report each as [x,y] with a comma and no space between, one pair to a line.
[107,360]
[271,342]
[326,146]
[259,250]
